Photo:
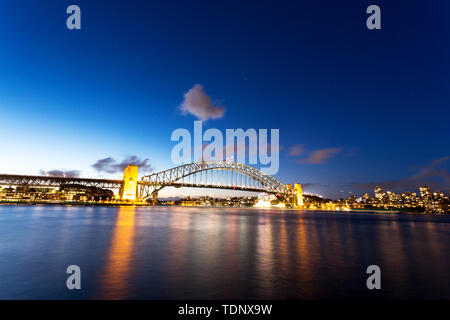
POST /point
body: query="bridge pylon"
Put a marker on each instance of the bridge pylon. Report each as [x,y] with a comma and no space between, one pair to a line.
[129,189]
[298,195]
[289,199]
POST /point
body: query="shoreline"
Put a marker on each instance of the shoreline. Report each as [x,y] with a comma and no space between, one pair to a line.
[93,204]
[73,203]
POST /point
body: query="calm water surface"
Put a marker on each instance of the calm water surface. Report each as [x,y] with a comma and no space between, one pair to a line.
[220,253]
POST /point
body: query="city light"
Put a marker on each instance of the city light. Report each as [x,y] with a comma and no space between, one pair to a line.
[36,189]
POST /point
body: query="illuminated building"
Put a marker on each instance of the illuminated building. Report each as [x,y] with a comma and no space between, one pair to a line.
[438,195]
[409,196]
[263,201]
[378,193]
[69,193]
[425,193]
[351,199]
[393,197]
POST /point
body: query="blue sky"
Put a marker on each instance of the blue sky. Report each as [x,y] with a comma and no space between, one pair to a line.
[365,106]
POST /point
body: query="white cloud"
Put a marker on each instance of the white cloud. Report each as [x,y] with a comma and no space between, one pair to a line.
[198,103]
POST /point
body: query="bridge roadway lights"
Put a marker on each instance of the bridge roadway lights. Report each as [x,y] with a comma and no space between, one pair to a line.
[129,188]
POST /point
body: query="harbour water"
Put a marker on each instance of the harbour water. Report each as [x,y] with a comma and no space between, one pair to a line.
[220,253]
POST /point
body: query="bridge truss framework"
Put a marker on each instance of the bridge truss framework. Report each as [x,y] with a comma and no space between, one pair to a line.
[215,174]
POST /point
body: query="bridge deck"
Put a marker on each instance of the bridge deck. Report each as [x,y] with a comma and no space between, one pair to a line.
[50,181]
[207,186]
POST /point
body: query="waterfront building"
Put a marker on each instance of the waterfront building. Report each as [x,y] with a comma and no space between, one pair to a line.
[425,193]
[378,193]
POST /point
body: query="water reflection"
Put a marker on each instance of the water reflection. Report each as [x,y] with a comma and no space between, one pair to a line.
[304,256]
[220,253]
[265,257]
[115,279]
[177,250]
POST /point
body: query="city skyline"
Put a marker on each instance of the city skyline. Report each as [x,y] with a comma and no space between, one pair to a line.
[356,110]
[214,179]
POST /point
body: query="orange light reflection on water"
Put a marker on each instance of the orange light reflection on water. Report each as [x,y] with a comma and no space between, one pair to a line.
[117,271]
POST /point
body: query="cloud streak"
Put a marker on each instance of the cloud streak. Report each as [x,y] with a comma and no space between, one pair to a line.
[110,165]
[296,150]
[61,173]
[321,156]
[198,103]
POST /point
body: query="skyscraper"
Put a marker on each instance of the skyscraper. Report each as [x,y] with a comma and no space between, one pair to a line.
[378,193]
[425,193]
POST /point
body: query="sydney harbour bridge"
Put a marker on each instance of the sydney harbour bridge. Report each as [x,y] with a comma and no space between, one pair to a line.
[215,174]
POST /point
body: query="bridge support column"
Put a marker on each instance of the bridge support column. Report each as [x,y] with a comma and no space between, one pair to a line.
[290,198]
[129,189]
[298,195]
[155,198]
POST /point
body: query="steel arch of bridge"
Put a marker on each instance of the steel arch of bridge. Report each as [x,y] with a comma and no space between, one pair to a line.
[250,179]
